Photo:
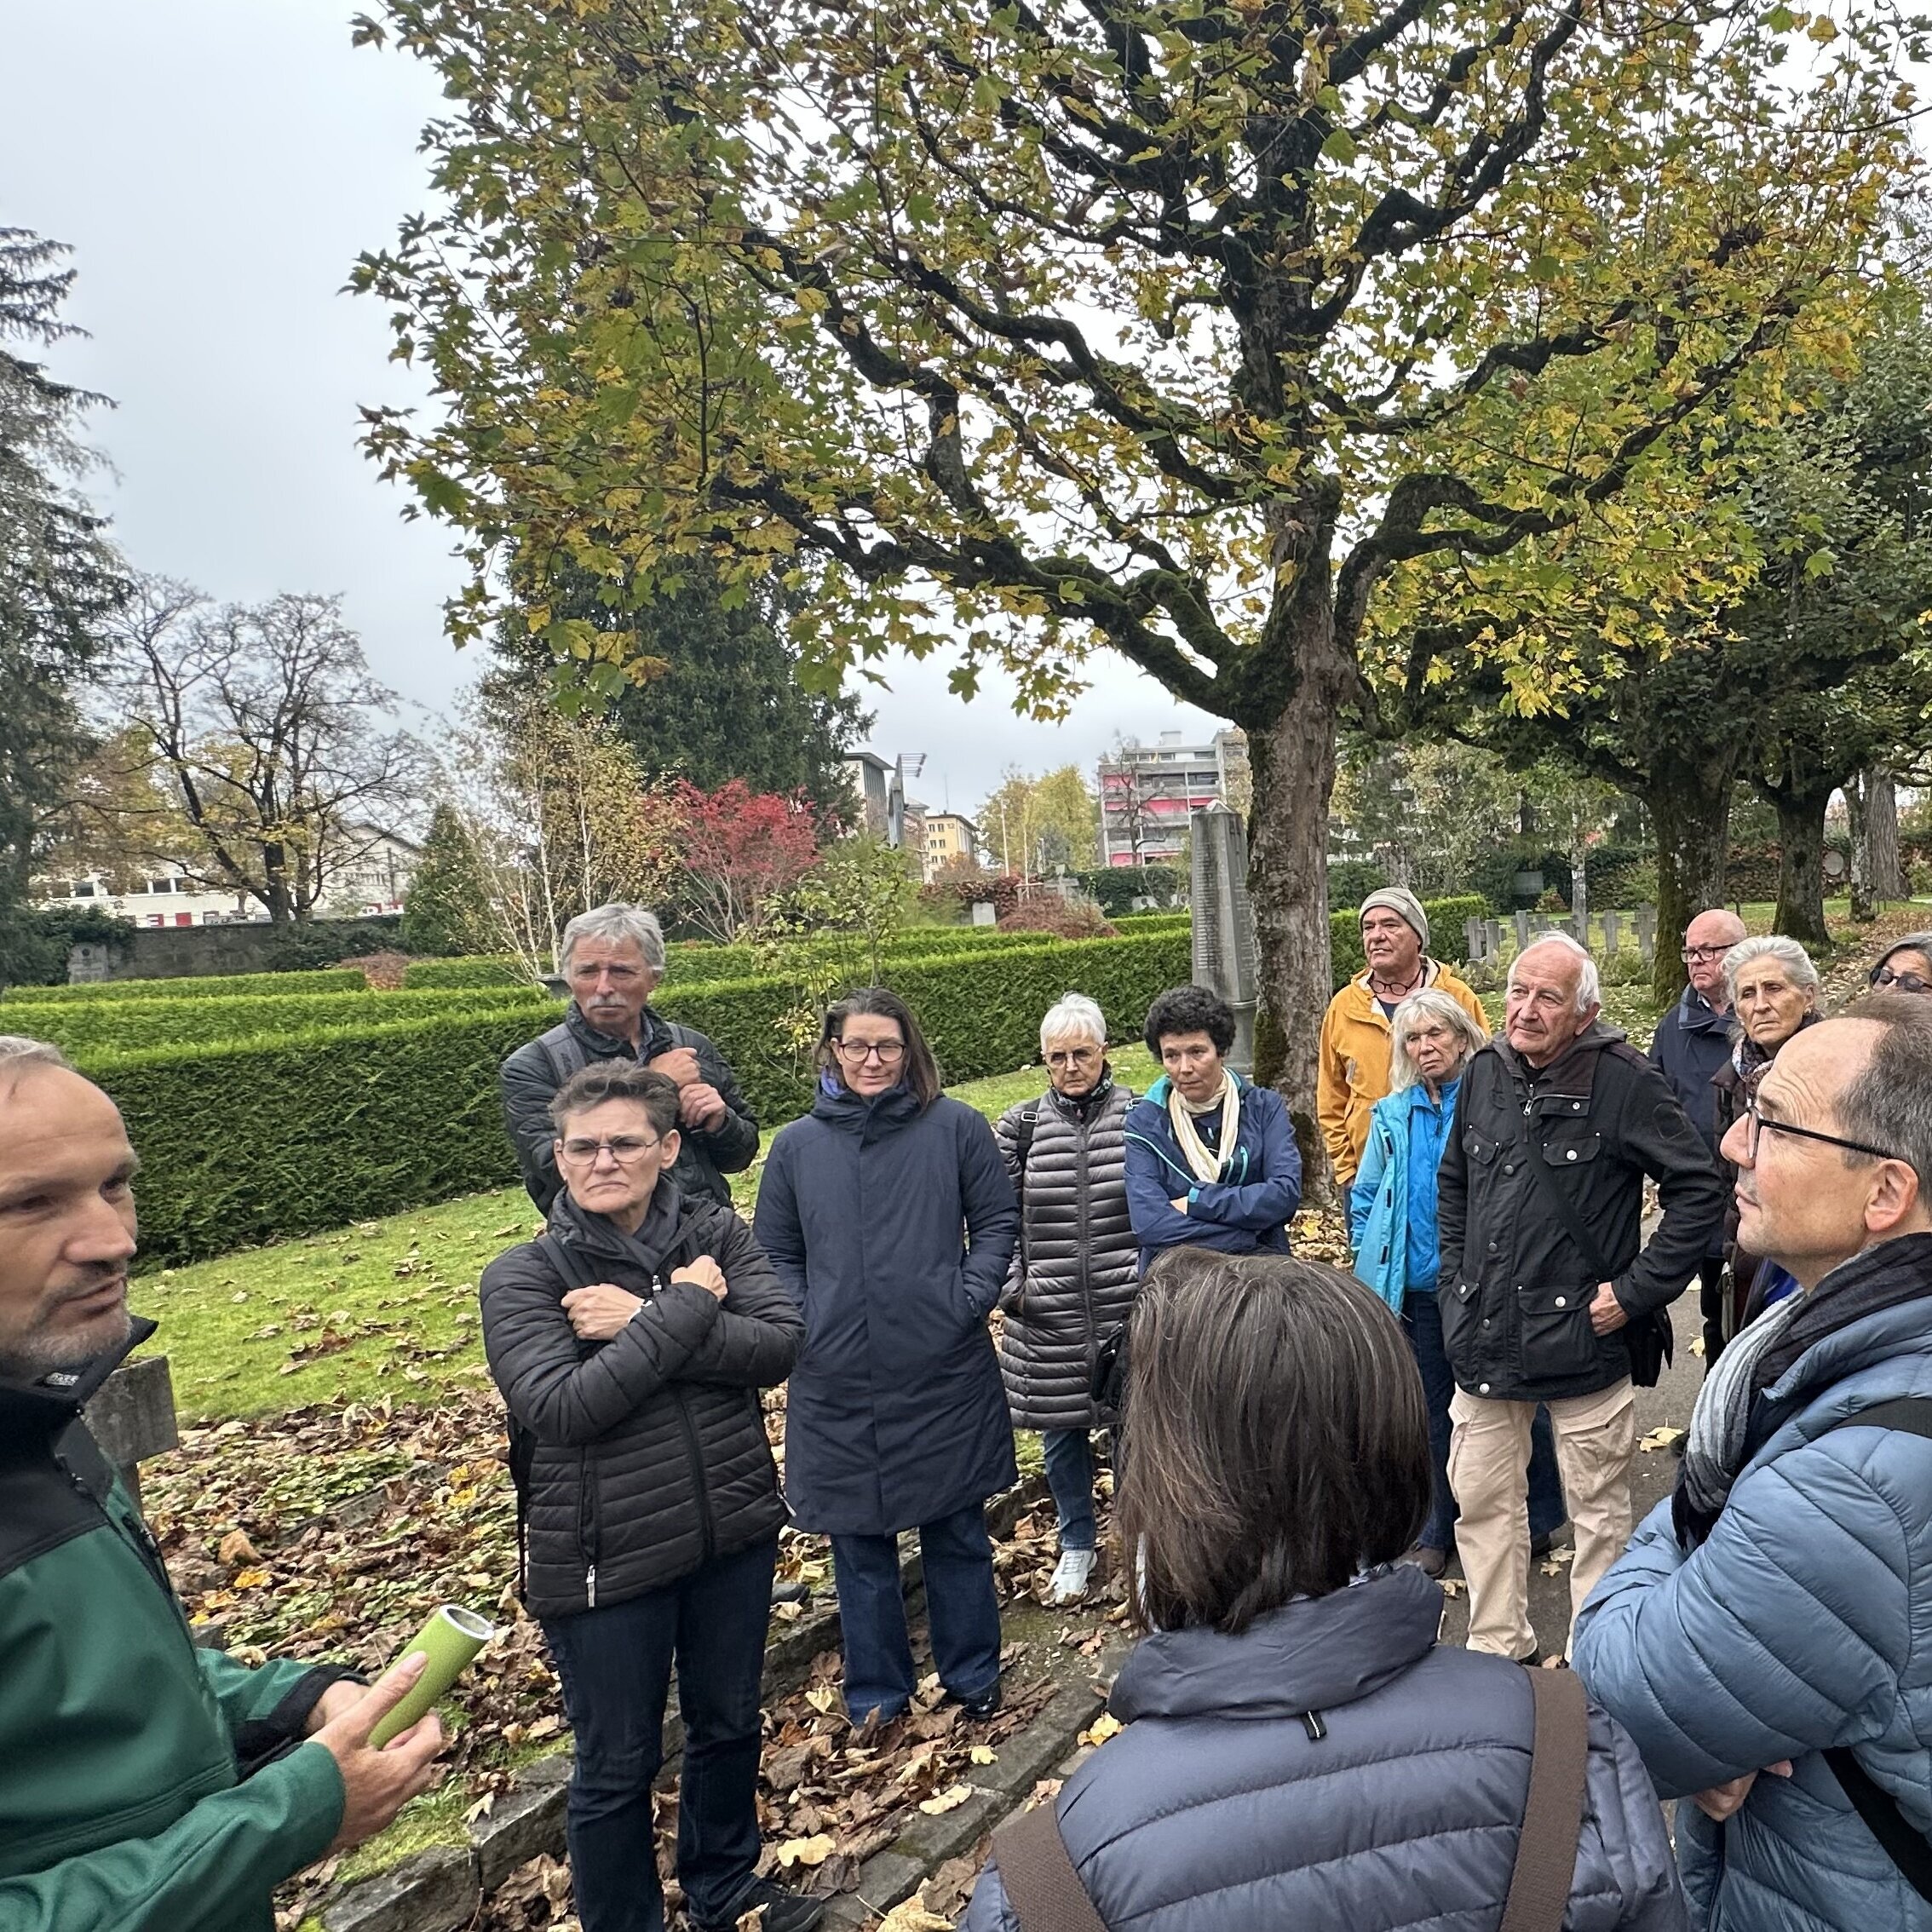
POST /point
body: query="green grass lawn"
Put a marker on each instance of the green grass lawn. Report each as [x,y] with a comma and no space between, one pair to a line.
[383,1306]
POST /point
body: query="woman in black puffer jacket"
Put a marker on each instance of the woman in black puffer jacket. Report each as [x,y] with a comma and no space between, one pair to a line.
[1299,1751]
[1077,1268]
[630,1342]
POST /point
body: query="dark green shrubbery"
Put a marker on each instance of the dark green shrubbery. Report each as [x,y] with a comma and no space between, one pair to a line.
[1117,886]
[246,1142]
[332,979]
[310,1126]
[86,1028]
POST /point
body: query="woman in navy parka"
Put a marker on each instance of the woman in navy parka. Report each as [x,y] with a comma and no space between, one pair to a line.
[888,1214]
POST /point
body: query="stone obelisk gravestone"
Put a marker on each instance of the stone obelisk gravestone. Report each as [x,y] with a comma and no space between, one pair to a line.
[1224,922]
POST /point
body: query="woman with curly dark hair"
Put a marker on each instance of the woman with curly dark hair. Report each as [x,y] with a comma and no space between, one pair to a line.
[1211,1159]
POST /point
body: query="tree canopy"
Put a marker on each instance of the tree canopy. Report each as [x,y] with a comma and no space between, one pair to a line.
[713,692]
[1175,326]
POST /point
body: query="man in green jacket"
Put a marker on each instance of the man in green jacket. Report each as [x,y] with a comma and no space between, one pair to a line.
[146,1785]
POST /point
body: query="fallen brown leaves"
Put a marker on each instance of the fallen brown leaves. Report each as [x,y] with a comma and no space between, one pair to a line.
[332,1531]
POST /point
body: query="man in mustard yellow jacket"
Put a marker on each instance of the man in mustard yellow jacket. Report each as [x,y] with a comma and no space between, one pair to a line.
[1353,1072]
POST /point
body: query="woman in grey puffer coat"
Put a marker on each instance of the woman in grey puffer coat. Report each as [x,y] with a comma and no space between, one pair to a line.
[1076,1269]
[1299,1750]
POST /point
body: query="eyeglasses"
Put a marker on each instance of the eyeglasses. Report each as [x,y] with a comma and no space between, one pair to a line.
[888,1053]
[622,1148]
[1696,955]
[1905,982]
[1760,1126]
[1073,1056]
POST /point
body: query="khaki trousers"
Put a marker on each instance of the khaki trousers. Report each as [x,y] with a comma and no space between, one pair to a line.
[1489,1445]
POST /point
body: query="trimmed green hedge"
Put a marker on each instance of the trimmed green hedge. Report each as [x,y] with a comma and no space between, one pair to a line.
[310,1126]
[85,1030]
[244,1141]
[981,1013]
[479,970]
[209,986]
[1445,941]
[716,965]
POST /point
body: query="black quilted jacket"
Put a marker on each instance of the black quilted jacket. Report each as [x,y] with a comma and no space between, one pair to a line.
[649,1455]
[1079,1262]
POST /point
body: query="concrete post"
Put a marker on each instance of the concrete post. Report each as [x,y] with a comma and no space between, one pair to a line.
[132,1417]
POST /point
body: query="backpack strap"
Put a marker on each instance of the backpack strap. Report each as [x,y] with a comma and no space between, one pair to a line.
[1023,1140]
[1546,1847]
[564,1051]
[1906,1847]
[1042,1886]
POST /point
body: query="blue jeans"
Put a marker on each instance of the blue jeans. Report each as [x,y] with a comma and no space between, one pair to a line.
[615,1664]
[1069,1455]
[1422,1321]
[962,1608]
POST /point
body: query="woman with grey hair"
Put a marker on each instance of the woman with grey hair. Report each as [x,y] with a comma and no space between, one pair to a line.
[1392,1215]
[1077,1267]
[1904,966]
[1774,989]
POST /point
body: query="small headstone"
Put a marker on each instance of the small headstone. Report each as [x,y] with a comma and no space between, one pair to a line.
[1646,931]
[1523,931]
[87,962]
[985,912]
[1612,935]
[1472,938]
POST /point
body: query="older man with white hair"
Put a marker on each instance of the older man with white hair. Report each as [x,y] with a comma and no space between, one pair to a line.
[1549,1292]
[614,960]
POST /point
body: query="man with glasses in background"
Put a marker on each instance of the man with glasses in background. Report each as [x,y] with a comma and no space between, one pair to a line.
[1692,1042]
[1763,1638]
[614,960]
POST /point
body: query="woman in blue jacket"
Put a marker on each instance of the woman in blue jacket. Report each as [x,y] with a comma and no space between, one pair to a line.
[1211,1159]
[888,1213]
[1392,1214]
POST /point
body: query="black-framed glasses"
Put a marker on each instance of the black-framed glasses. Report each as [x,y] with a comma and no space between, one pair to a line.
[1905,982]
[1760,1126]
[1691,955]
[622,1148]
[888,1053]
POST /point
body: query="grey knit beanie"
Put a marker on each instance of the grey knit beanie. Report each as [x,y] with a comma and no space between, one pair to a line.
[1400,900]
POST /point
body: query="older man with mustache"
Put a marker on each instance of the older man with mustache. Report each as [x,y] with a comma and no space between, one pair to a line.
[146,1785]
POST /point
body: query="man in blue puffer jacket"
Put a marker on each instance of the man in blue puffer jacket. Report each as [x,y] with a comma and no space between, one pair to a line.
[1765,1638]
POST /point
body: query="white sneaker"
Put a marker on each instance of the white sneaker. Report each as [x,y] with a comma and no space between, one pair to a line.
[1070,1576]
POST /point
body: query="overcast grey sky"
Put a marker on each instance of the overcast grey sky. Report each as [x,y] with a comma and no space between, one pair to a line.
[216,166]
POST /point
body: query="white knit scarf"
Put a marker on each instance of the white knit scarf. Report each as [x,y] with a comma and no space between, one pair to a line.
[1207,1165]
